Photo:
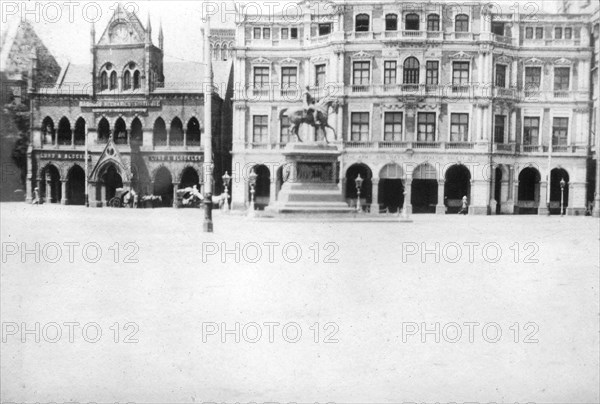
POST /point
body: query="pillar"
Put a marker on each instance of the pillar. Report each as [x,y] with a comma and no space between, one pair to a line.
[407,196]
[577,199]
[478,202]
[494,198]
[515,193]
[273,189]
[48,196]
[175,189]
[63,199]
[542,191]
[374,210]
[440,208]
[102,195]
[92,194]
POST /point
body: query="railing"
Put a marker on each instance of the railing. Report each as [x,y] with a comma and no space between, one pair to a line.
[531,148]
[387,144]
[434,34]
[358,145]
[459,145]
[257,146]
[541,96]
[290,93]
[460,89]
[504,147]
[391,34]
[504,92]
[79,142]
[459,35]
[160,142]
[504,39]
[64,142]
[561,94]
[176,142]
[192,143]
[412,34]
[361,88]
[426,145]
[260,91]
[362,35]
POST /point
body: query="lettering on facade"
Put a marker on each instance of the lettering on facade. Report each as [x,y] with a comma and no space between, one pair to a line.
[122,104]
[176,157]
[62,156]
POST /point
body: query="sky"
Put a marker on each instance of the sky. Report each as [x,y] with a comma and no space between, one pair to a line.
[65,28]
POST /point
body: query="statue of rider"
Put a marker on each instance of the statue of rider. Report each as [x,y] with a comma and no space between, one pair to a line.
[309,106]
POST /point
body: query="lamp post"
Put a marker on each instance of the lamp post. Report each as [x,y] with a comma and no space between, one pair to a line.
[226,180]
[358,181]
[404,207]
[252,180]
[562,195]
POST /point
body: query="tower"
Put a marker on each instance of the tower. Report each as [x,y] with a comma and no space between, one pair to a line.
[161,37]
[93,58]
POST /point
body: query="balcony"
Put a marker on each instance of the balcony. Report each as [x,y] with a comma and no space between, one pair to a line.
[460,36]
[361,88]
[459,145]
[561,95]
[558,149]
[504,147]
[413,34]
[502,92]
[504,39]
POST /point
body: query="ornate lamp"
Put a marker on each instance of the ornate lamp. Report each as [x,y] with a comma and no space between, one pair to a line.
[562,195]
[226,181]
[252,181]
[359,182]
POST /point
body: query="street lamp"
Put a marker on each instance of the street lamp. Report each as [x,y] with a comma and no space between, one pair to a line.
[358,181]
[226,180]
[252,180]
[562,195]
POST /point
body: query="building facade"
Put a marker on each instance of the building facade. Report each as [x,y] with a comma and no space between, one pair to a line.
[434,102]
[140,119]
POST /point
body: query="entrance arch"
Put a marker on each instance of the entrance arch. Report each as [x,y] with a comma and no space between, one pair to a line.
[391,188]
[262,190]
[556,175]
[366,191]
[50,185]
[76,186]
[111,180]
[529,191]
[498,189]
[163,186]
[189,178]
[424,189]
[457,184]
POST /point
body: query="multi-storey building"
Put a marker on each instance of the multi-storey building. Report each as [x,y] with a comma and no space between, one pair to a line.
[436,101]
[141,120]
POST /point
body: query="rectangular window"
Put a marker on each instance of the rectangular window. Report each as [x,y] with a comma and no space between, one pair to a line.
[286,135]
[533,78]
[561,78]
[260,129]
[285,33]
[257,32]
[261,77]
[529,33]
[568,33]
[499,125]
[324,29]
[432,72]
[459,127]
[539,33]
[558,33]
[560,131]
[294,33]
[361,73]
[501,76]
[392,126]
[389,72]
[531,130]
[320,75]
[460,76]
[433,22]
[498,28]
[426,127]
[289,77]
[266,33]
[359,131]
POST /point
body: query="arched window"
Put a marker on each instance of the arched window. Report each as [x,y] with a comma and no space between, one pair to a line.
[127,80]
[362,23]
[411,22]
[48,131]
[461,23]
[433,22]
[159,133]
[411,71]
[391,22]
[120,132]
[64,131]
[137,133]
[176,133]
[113,80]
[193,132]
[224,52]
[80,131]
[103,130]
[136,79]
[103,81]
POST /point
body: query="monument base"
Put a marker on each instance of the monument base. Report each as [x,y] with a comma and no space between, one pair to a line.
[310,181]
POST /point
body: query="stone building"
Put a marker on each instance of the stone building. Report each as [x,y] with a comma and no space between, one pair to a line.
[436,101]
[142,119]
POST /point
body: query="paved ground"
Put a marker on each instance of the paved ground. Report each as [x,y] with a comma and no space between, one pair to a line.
[370,290]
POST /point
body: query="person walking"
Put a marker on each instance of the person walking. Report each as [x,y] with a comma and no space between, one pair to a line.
[36,196]
[465,206]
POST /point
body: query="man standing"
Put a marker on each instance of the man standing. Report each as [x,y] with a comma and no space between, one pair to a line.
[465,206]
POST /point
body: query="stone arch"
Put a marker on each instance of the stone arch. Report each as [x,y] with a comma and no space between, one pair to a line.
[48,130]
[189,176]
[176,132]
[103,129]
[557,174]
[366,193]
[424,189]
[79,131]
[50,177]
[162,179]
[391,187]
[193,132]
[64,131]
[136,130]
[120,132]
[457,184]
[159,132]
[75,185]
[529,190]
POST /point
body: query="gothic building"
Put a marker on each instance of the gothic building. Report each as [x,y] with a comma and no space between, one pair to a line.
[140,118]
[436,101]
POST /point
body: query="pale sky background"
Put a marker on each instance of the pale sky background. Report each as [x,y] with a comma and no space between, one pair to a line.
[181,20]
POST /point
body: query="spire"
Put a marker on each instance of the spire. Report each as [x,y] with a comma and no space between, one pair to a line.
[32,79]
[148,30]
[161,37]
[93,34]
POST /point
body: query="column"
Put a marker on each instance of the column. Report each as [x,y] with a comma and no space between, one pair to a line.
[407,196]
[494,198]
[480,123]
[515,195]
[512,137]
[48,195]
[185,138]
[374,210]
[92,194]
[478,202]
[440,208]
[72,138]
[540,196]
[175,189]
[273,189]
[577,199]
[63,200]
[102,195]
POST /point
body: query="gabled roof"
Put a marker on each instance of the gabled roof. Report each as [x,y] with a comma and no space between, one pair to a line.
[122,15]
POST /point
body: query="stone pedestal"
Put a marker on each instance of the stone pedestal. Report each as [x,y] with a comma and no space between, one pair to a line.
[310,181]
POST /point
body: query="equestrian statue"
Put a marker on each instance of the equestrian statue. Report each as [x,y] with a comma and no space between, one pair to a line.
[311,113]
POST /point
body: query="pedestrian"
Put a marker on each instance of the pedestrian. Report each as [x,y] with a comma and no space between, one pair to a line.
[36,196]
[465,206]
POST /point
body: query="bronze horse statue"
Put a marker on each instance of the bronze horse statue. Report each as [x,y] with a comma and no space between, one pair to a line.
[301,115]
